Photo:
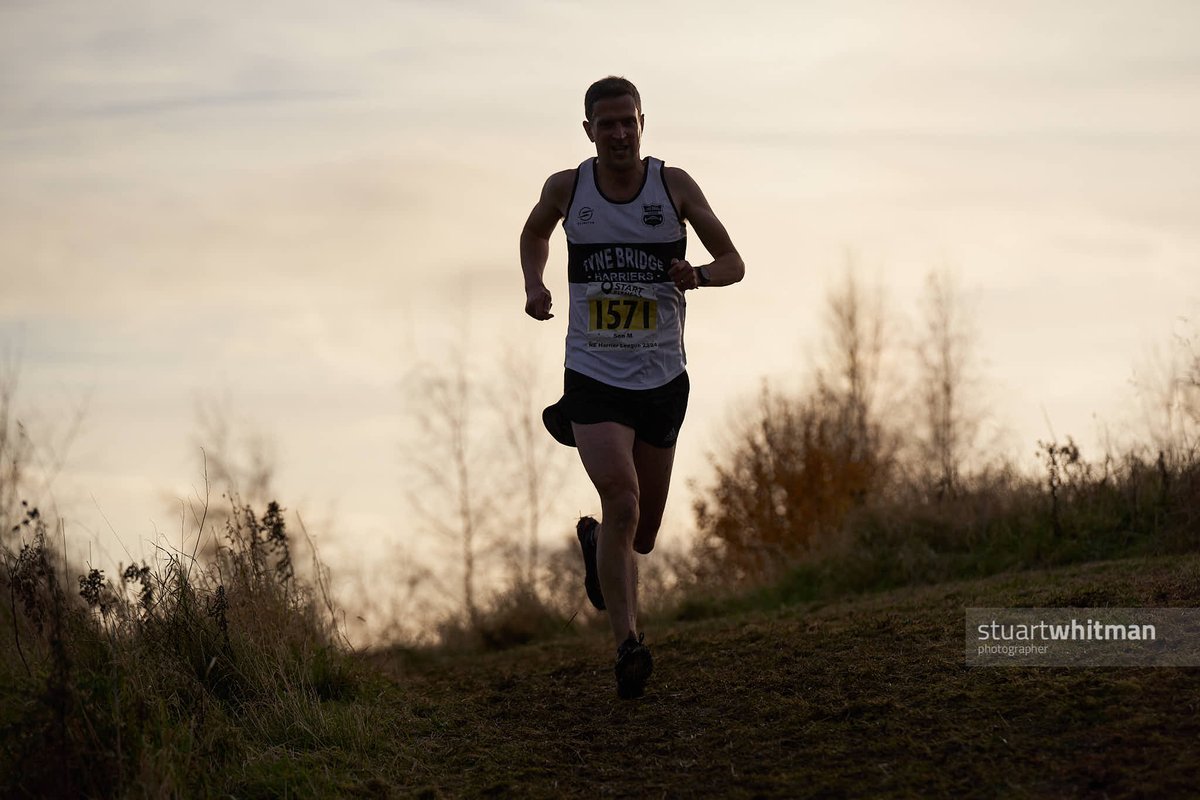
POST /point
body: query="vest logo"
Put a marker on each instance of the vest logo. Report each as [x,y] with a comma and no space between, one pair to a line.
[652,214]
[585,214]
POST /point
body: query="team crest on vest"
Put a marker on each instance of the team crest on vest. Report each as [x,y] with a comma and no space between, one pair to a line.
[652,214]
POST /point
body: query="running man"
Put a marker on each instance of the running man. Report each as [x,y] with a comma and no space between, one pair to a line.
[626,387]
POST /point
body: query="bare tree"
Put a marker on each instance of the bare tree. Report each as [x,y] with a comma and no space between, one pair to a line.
[1191,382]
[453,494]
[29,469]
[853,377]
[533,457]
[949,418]
[14,450]
[239,464]
[236,465]
[1168,385]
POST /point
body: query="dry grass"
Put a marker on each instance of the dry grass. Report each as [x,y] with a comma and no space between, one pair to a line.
[178,680]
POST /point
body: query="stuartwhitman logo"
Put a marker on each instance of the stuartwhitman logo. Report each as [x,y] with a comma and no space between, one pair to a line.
[585,214]
[1082,637]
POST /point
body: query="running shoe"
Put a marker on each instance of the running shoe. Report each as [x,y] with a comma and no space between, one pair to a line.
[634,665]
[586,532]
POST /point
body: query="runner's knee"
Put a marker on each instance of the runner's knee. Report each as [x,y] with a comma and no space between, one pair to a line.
[620,508]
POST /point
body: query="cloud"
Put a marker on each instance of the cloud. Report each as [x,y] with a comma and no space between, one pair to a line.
[211,102]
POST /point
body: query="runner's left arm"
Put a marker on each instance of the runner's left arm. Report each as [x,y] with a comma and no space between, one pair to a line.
[727,266]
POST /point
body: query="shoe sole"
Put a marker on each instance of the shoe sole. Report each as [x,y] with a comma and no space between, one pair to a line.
[632,673]
[591,578]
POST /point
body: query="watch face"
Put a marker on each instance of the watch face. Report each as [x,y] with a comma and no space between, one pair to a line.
[705,278]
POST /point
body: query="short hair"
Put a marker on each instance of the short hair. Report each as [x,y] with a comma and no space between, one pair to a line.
[607,88]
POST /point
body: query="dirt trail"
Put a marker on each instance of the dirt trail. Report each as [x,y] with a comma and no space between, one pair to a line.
[868,697]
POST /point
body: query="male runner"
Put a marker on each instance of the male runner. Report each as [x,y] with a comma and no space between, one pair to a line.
[626,388]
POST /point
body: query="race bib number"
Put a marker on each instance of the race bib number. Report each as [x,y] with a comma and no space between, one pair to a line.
[607,313]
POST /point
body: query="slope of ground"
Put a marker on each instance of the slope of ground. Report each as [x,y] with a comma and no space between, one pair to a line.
[867,697]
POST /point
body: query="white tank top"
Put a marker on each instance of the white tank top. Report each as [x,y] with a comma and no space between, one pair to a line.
[626,316]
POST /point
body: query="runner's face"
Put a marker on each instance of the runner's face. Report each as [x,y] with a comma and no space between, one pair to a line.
[616,128]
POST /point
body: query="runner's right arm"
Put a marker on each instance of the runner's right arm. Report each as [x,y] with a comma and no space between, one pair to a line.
[535,241]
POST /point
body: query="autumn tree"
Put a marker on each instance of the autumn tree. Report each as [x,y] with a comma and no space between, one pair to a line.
[789,476]
[797,463]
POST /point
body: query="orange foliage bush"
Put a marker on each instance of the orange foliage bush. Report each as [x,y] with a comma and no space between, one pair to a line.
[795,469]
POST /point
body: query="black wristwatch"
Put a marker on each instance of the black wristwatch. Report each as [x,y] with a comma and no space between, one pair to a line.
[703,278]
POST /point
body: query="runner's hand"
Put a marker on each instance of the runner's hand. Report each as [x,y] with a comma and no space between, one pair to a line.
[682,273]
[538,302]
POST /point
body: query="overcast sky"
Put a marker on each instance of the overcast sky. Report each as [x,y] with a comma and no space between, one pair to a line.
[292,205]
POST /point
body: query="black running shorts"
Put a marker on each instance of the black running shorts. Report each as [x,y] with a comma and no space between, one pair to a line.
[656,415]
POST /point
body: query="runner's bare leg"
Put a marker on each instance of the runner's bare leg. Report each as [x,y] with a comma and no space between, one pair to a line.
[607,452]
[653,466]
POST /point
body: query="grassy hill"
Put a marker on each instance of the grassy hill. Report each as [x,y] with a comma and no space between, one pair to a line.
[866,697]
[234,690]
